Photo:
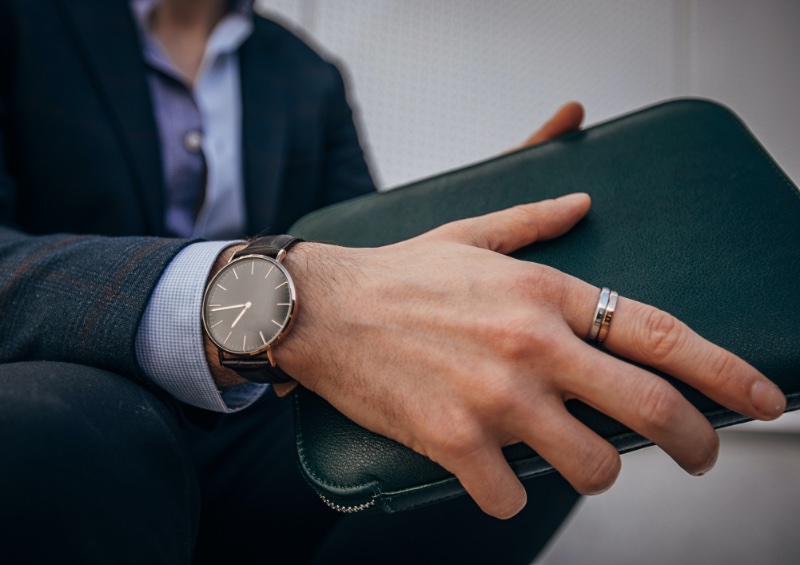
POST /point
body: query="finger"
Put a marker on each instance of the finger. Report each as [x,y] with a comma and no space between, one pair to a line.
[566,119]
[654,338]
[510,229]
[645,403]
[588,462]
[488,479]
[649,336]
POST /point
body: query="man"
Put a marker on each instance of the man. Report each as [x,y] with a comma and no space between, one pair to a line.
[179,119]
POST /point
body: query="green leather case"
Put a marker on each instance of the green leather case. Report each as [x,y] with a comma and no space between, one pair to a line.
[689,214]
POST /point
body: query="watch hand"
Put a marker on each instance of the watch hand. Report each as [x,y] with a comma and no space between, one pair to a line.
[239,317]
[228,307]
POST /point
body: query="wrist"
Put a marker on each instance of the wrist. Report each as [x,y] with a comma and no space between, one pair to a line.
[299,264]
[329,295]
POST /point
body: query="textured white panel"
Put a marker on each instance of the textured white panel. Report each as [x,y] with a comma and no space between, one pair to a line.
[746,54]
[442,83]
[742,513]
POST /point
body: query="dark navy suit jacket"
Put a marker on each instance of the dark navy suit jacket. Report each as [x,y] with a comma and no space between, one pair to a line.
[81,190]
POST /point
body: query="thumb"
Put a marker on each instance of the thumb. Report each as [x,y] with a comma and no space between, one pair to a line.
[508,230]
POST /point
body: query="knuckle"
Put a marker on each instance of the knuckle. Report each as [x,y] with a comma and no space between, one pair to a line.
[460,230]
[494,395]
[564,292]
[511,338]
[659,405]
[525,215]
[454,440]
[546,282]
[601,471]
[519,339]
[555,288]
[722,366]
[540,286]
[662,334]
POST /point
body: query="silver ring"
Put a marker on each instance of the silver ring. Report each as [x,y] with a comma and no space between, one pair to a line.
[603,314]
[605,325]
[599,314]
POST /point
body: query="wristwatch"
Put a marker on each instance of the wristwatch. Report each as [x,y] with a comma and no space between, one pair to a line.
[249,307]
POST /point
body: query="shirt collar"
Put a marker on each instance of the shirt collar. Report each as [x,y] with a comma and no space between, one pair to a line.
[229,34]
[231,31]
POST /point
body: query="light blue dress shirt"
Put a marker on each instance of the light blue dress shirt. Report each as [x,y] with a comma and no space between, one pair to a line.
[200,130]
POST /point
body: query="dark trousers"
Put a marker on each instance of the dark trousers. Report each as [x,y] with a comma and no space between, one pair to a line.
[97,469]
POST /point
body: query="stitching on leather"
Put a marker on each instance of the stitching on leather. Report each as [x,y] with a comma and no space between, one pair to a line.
[301,453]
[419,504]
[388,497]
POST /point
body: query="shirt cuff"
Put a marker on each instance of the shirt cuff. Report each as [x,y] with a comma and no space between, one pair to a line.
[169,342]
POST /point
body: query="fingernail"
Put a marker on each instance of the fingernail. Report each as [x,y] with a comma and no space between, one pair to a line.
[709,465]
[574,197]
[767,399]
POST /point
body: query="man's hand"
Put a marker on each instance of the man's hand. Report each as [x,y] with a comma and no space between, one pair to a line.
[447,345]
[567,118]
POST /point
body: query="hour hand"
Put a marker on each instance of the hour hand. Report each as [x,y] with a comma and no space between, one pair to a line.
[239,317]
[228,307]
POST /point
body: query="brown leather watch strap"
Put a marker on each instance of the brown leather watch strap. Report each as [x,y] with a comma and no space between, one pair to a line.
[255,369]
[269,245]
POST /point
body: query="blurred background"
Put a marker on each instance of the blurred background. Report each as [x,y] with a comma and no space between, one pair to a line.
[442,83]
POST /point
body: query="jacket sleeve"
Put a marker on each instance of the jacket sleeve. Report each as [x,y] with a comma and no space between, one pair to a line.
[69,297]
[64,297]
[76,298]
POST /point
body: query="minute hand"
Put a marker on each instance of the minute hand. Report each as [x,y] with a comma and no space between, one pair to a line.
[228,307]
[239,317]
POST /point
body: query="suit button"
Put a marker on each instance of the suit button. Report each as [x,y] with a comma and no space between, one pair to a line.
[193,141]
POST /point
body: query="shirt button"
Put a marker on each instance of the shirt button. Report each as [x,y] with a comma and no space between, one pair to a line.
[193,141]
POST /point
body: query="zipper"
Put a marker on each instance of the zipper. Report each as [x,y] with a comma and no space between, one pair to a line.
[347,509]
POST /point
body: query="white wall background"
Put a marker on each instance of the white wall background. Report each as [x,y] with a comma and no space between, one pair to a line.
[441,83]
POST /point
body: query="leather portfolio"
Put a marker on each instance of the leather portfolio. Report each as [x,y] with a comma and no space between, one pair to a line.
[689,214]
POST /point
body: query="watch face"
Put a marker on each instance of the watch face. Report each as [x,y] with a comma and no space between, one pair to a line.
[249,305]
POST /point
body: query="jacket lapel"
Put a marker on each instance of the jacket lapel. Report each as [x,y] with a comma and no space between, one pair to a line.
[265,107]
[107,37]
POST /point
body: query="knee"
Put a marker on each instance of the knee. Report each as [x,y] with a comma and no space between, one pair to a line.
[51,411]
[79,437]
